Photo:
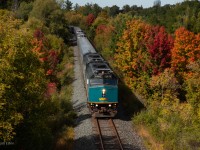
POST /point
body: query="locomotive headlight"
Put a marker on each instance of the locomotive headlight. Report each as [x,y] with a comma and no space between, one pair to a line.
[96,105]
[104,91]
[109,105]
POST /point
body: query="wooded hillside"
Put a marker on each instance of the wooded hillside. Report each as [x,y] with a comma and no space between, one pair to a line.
[154,51]
[35,91]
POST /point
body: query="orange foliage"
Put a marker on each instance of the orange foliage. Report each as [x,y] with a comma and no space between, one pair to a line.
[38,43]
[186,49]
[41,48]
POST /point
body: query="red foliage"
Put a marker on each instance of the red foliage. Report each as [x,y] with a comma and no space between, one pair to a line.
[38,34]
[101,29]
[52,59]
[51,89]
[38,43]
[49,72]
[159,47]
[49,58]
[43,59]
[90,19]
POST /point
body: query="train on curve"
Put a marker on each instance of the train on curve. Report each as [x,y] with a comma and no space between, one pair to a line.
[100,81]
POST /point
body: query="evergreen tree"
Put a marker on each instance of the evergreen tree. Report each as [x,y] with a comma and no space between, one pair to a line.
[68,5]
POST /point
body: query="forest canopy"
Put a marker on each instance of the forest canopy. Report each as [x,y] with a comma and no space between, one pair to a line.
[154,51]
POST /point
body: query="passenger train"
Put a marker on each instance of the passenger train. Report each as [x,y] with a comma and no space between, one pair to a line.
[100,81]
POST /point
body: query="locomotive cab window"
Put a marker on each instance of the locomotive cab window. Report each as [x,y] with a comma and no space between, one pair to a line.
[103,82]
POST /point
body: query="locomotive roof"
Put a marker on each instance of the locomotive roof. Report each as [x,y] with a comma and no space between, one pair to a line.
[100,70]
[93,57]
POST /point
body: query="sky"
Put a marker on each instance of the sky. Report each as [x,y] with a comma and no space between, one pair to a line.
[121,3]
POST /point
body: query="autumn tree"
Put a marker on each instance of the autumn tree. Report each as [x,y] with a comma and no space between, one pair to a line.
[164,83]
[186,49]
[192,83]
[104,14]
[99,21]
[159,47]
[75,18]
[90,19]
[131,56]
[22,78]
[47,56]
[142,51]
[107,35]
[103,39]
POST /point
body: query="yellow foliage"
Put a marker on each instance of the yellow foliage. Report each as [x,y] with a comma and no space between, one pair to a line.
[198,112]
[65,141]
[185,111]
[163,124]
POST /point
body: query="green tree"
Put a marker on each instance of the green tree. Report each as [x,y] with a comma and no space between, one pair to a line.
[68,5]
[76,7]
[43,8]
[119,24]
[157,3]
[96,9]
[114,10]
[12,4]
[126,8]
[49,12]
[197,25]
[24,10]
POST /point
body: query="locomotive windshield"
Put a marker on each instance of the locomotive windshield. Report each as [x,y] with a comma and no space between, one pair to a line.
[103,82]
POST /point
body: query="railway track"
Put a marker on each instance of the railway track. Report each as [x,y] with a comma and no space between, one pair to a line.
[107,137]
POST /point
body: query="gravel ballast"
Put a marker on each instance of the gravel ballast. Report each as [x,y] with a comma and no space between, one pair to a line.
[83,130]
[84,136]
[130,139]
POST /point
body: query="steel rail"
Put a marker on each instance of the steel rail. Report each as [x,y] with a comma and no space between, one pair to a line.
[116,133]
[100,134]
